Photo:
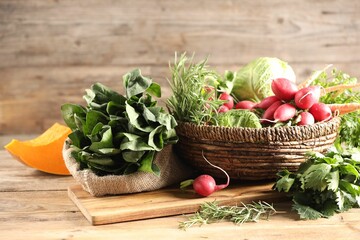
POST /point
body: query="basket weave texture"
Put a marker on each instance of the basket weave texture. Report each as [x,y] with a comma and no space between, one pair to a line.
[249,153]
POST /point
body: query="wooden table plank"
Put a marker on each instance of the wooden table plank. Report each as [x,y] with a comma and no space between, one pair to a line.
[15,177]
[281,226]
[164,202]
[43,210]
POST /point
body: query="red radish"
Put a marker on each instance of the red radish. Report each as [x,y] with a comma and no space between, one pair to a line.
[306,118]
[284,88]
[306,97]
[268,115]
[284,112]
[245,105]
[266,102]
[205,185]
[228,98]
[223,109]
[321,112]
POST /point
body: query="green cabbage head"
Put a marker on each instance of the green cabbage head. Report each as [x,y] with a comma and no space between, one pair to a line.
[253,81]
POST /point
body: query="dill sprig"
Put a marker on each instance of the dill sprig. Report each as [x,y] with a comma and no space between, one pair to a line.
[211,212]
[191,101]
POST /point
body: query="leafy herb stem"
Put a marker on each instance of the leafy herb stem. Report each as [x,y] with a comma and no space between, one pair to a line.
[211,212]
[191,101]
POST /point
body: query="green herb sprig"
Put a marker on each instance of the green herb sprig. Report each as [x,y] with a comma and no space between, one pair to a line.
[194,91]
[211,212]
[324,184]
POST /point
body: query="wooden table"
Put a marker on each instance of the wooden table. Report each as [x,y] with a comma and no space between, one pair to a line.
[35,205]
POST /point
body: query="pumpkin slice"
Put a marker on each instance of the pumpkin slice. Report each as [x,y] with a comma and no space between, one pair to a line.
[44,152]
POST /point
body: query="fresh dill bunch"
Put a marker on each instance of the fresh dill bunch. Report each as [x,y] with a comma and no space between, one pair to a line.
[194,88]
[211,212]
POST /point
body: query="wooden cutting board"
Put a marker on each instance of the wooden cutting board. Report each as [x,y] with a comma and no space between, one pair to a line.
[164,202]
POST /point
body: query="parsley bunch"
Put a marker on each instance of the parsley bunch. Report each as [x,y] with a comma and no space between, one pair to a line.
[324,184]
[350,123]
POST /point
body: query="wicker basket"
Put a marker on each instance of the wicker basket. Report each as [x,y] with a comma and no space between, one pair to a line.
[252,154]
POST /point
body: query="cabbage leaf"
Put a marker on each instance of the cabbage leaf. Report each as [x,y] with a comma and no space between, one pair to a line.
[238,118]
[253,81]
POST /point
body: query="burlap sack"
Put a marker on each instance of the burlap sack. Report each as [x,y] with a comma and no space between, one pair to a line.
[172,171]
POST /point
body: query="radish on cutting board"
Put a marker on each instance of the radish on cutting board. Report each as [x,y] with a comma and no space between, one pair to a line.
[204,185]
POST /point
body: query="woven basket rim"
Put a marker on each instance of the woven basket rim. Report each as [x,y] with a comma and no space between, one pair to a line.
[265,134]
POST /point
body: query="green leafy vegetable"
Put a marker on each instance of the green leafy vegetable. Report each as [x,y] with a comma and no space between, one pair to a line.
[324,184]
[211,212]
[253,81]
[238,118]
[115,134]
[349,131]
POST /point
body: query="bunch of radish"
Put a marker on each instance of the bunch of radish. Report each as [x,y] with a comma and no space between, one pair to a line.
[291,104]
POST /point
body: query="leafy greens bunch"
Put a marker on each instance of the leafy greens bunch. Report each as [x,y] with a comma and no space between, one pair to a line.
[349,131]
[324,184]
[116,134]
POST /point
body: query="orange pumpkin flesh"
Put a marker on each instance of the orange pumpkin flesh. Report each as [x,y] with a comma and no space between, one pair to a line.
[44,152]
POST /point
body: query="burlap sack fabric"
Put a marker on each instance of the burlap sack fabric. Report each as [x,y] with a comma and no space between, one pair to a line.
[172,171]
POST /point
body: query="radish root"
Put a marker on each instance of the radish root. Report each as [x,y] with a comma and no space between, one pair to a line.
[217,167]
[268,120]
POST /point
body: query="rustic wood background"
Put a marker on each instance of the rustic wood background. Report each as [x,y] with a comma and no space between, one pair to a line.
[51,51]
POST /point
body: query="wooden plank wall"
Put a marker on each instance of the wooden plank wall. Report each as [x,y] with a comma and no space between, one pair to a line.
[50,51]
